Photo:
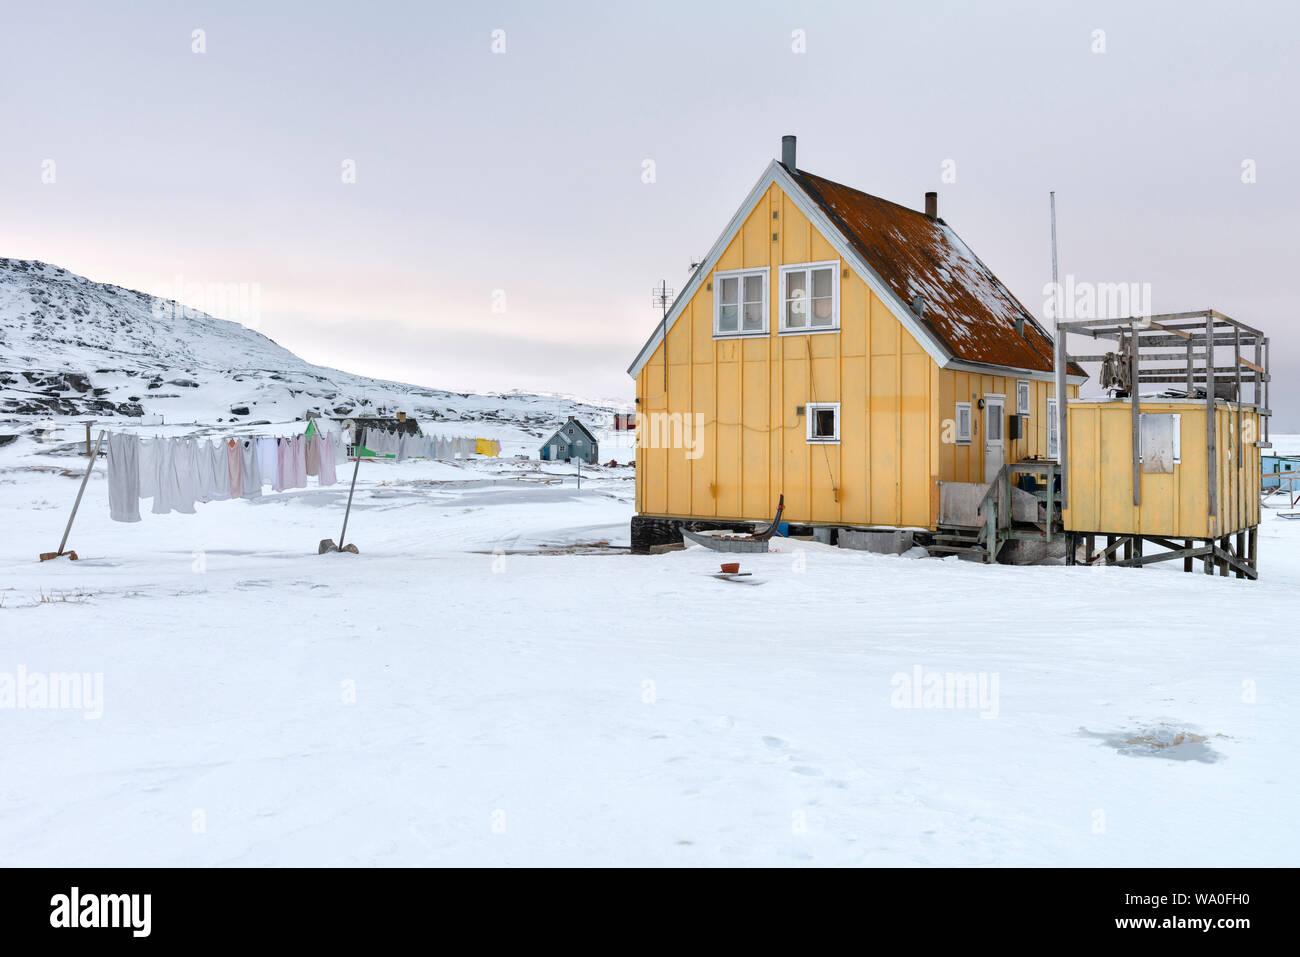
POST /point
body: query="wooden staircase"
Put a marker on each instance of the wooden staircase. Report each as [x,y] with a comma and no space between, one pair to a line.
[964,541]
[985,542]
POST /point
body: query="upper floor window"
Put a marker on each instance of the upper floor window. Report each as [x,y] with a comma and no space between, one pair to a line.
[810,297]
[740,302]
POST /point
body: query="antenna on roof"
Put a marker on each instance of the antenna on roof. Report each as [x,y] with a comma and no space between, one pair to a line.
[1056,285]
[663,297]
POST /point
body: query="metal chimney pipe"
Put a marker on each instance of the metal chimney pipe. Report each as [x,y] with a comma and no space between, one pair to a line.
[787,151]
[932,205]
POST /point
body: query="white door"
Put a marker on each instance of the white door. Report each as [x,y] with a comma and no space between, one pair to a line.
[994,444]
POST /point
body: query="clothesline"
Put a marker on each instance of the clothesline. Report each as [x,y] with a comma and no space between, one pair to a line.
[179,472]
[402,445]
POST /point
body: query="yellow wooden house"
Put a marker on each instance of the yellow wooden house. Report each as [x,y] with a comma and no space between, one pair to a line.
[848,353]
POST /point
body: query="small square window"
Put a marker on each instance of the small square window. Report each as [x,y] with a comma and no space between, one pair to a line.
[823,422]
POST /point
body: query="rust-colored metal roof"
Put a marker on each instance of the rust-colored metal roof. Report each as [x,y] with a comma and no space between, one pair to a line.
[966,307]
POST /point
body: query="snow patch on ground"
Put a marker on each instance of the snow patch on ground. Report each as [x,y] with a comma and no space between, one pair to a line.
[493,680]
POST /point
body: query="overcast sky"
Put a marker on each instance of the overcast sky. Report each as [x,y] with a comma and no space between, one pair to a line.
[489,181]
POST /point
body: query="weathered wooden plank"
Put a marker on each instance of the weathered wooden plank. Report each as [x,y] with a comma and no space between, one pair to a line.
[1152,324]
[1237,350]
[1186,554]
[1210,457]
[1268,351]
[1061,361]
[1135,401]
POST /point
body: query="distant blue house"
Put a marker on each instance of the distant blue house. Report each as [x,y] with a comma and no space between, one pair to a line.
[1272,464]
[572,440]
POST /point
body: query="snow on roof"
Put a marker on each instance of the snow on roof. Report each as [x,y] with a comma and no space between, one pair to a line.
[965,306]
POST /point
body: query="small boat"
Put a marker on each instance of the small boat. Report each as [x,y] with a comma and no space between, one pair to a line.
[756,541]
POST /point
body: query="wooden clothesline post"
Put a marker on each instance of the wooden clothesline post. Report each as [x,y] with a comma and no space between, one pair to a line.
[327,544]
[67,530]
[343,535]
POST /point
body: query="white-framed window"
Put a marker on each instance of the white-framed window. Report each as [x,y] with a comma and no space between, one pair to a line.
[823,422]
[963,421]
[1022,396]
[740,302]
[810,297]
[1053,432]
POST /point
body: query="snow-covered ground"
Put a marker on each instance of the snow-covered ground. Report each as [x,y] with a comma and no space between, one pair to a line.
[492,680]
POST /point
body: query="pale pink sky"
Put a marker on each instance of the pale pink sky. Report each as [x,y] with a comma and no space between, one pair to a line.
[522,171]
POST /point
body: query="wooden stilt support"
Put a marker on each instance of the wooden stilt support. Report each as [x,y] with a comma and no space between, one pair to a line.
[1216,554]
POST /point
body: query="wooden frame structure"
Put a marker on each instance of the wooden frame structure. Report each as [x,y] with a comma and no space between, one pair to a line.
[1174,349]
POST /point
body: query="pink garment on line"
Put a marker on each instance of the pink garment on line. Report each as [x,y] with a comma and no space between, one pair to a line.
[327,474]
[299,461]
[236,459]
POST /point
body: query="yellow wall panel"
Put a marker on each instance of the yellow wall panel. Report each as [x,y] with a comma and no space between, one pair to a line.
[914,447]
[884,421]
[1172,505]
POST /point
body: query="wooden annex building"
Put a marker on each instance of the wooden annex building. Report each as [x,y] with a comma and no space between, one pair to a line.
[1180,469]
[855,359]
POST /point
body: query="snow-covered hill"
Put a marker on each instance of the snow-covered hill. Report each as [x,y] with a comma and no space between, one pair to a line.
[72,347]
